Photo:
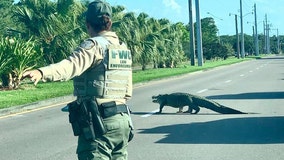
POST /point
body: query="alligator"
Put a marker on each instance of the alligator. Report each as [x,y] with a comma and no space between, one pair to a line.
[179,100]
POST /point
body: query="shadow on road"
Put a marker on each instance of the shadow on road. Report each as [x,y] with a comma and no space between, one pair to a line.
[252,130]
[252,95]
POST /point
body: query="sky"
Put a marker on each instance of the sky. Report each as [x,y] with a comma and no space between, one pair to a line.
[177,11]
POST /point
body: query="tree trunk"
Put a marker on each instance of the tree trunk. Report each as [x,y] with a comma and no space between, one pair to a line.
[9,81]
[143,67]
[5,80]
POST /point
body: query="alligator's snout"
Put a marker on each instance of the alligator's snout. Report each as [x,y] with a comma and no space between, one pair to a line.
[155,99]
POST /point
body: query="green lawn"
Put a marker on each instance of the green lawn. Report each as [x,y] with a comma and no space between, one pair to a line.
[29,93]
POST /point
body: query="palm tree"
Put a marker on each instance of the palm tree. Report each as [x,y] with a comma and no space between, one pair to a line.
[6,6]
[16,57]
[57,25]
[126,26]
[5,60]
[175,43]
[147,38]
[51,28]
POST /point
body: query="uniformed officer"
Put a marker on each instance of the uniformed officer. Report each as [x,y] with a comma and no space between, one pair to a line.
[101,68]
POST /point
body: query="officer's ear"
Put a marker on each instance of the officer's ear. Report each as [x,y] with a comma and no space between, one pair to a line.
[89,28]
[88,25]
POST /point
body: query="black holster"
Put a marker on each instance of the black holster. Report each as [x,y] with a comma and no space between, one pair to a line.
[97,118]
[85,119]
[74,117]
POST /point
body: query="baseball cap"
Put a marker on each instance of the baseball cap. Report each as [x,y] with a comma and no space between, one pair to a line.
[97,9]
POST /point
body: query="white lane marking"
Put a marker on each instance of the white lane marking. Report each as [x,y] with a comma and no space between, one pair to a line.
[250,71]
[203,90]
[150,114]
[242,75]
[228,81]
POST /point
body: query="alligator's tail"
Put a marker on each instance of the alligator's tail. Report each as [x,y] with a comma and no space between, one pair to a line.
[214,106]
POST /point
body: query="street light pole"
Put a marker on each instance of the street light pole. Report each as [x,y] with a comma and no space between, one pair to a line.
[199,34]
[267,36]
[191,30]
[256,34]
[242,32]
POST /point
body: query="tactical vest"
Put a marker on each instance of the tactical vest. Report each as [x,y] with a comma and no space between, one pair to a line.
[110,78]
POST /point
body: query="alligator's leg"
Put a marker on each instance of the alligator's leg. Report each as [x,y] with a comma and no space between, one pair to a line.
[180,110]
[161,107]
[192,107]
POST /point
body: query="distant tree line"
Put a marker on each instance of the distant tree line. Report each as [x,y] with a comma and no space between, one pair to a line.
[40,32]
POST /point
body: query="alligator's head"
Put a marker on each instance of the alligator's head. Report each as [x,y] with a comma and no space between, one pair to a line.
[159,98]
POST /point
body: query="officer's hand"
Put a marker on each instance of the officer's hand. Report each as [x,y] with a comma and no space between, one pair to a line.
[34,75]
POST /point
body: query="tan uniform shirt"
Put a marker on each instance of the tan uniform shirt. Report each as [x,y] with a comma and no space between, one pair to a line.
[80,60]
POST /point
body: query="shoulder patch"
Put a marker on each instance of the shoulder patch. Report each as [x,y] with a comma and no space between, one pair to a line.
[88,44]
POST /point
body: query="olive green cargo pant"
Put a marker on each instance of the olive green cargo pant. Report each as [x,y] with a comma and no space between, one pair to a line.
[110,146]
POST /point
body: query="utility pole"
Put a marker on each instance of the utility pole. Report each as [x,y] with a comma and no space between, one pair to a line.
[237,35]
[242,32]
[256,34]
[191,33]
[199,34]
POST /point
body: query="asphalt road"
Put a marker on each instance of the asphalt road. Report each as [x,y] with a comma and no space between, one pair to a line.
[255,87]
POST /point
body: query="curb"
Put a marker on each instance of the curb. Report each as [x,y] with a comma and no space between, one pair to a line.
[34,105]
